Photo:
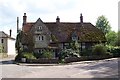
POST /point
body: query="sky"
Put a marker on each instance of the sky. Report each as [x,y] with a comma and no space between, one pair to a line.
[48,10]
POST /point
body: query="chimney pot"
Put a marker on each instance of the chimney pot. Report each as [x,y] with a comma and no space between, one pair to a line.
[24,14]
[24,19]
[10,32]
[57,19]
[81,18]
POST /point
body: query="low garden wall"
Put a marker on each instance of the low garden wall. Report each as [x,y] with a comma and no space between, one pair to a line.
[86,58]
[43,61]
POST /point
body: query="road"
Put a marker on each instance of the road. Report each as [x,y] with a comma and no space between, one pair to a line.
[86,69]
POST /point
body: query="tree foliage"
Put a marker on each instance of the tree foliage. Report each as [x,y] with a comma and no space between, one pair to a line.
[118,39]
[18,41]
[47,54]
[103,24]
[112,38]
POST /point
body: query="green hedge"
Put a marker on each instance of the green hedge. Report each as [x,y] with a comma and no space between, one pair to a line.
[24,55]
[99,49]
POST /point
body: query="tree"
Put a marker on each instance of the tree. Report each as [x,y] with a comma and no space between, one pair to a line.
[18,41]
[112,38]
[118,39]
[103,24]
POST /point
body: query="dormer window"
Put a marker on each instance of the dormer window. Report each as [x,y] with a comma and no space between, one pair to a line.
[74,36]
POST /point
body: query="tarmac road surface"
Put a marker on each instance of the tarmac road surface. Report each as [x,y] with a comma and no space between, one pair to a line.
[87,69]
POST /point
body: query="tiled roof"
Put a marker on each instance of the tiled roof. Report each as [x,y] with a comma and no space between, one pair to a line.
[62,31]
[85,31]
[27,27]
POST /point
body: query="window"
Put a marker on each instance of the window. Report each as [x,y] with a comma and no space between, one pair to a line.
[40,38]
[39,51]
[83,45]
[61,45]
[66,45]
[39,28]
[74,36]
[2,40]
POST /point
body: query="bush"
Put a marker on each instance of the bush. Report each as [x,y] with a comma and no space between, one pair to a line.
[68,53]
[24,55]
[99,49]
[86,52]
[18,57]
[47,54]
[28,55]
[116,51]
[38,55]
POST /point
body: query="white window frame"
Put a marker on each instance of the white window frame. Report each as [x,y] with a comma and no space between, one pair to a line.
[39,28]
[40,38]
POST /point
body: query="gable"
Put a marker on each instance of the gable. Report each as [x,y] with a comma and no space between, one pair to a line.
[4,35]
[40,28]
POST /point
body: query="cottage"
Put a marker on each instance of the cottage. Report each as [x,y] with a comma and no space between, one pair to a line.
[7,44]
[58,35]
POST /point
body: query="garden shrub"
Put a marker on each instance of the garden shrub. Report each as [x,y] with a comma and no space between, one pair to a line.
[18,57]
[47,54]
[38,55]
[86,52]
[99,49]
[67,53]
[116,51]
[28,55]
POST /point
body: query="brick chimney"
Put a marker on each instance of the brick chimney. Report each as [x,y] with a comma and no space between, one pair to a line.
[81,18]
[24,19]
[10,32]
[57,19]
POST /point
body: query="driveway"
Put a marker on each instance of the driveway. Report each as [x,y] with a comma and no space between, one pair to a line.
[86,69]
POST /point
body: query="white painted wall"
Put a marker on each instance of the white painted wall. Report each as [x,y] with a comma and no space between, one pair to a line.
[11,47]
